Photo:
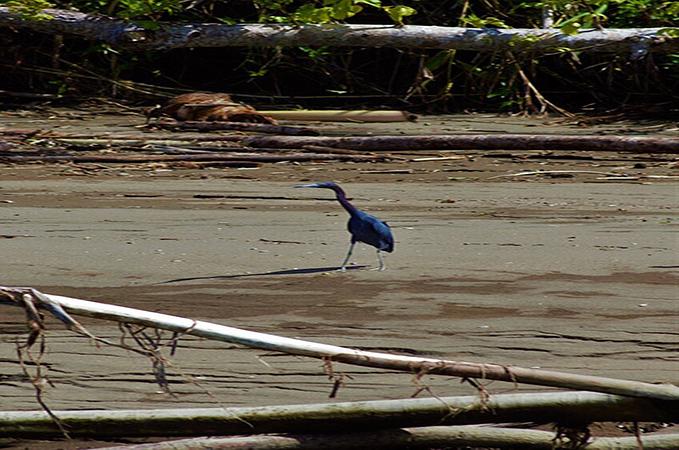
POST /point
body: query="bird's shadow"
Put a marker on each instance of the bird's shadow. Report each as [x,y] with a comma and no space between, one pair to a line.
[303,271]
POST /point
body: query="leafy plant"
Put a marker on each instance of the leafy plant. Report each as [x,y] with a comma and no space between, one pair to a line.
[399,12]
[30,9]
[475,21]
[515,80]
[153,9]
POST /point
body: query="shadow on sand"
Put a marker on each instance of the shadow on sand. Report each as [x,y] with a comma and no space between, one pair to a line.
[303,271]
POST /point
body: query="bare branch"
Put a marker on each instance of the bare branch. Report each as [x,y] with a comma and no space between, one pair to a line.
[364,358]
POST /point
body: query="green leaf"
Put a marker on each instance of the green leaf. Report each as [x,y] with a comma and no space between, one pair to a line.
[671,32]
[487,22]
[274,19]
[316,53]
[30,9]
[570,28]
[575,19]
[398,12]
[258,73]
[373,3]
[601,9]
[147,24]
[439,59]
[309,14]
[345,9]
[227,20]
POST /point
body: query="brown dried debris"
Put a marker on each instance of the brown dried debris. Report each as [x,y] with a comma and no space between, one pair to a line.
[208,107]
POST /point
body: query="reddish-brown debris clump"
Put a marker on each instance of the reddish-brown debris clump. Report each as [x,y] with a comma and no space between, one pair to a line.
[211,107]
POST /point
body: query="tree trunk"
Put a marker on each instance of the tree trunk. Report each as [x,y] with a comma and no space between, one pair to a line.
[134,37]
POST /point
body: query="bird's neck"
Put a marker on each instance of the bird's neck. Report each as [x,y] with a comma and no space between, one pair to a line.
[342,199]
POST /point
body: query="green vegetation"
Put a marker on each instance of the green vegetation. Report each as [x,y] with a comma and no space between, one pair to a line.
[435,80]
[30,9]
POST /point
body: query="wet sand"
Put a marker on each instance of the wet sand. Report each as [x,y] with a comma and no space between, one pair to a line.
[572,274]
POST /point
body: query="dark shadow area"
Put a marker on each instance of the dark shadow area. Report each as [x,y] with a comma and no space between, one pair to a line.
[304,271]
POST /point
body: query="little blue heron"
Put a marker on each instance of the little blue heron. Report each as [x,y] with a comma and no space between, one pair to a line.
[362,226]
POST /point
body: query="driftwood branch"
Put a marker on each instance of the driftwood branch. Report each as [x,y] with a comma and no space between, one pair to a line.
[234,126]
[234,159]
[404,363]
[416,438]
[342,115]
[540,408]
[632,144]
[118,33]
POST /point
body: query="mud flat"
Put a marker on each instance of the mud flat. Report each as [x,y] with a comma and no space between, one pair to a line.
[574,274]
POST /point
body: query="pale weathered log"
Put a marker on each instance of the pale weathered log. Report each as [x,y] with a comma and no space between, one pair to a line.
[118,33]
[563,407]
[347,115]
[632,144]
[237,126]
[414,438]
[327,352]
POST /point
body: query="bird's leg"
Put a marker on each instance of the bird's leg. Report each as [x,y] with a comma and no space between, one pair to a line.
[381,260]
[346,260]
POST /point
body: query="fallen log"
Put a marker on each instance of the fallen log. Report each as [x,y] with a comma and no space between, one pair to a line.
[554,172]
[328,353]
[108,137]
[323,149]
[136,144]
[540,408]
[122,34]
[342,115]
[237,126]
[417,438]
[633,144]
[236,158]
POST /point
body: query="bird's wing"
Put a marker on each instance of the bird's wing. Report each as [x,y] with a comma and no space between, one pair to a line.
[378,225]
[383,230]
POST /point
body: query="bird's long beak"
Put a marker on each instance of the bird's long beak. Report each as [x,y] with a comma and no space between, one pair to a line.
[312,185]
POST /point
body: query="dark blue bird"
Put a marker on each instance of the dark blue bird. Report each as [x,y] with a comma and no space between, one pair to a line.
[362,226]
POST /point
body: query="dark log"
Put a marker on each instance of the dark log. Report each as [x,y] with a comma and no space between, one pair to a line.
[633,144]
[583,407]
[118,33]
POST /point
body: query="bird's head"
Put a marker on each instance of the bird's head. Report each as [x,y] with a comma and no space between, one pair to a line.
[325,184]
